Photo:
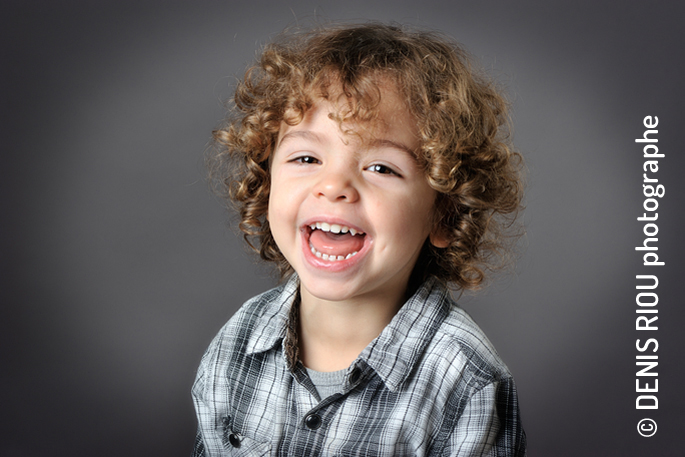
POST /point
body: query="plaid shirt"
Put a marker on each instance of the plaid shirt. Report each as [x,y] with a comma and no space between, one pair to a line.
[431,384]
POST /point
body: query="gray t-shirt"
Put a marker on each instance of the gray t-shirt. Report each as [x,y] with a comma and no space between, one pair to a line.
[327,383]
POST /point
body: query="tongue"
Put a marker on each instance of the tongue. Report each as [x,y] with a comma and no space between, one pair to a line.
[336,244]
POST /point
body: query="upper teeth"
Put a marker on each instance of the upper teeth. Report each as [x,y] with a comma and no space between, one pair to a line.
[335,228]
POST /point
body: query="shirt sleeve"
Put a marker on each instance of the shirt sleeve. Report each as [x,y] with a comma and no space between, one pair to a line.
[197,392]
[490,425]
[199,447]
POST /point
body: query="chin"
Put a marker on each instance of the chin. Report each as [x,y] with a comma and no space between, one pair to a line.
[329,290]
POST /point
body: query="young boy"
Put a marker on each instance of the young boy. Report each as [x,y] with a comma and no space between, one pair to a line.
[370,164]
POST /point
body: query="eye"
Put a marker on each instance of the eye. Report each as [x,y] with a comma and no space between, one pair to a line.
[306,160]
[382,169]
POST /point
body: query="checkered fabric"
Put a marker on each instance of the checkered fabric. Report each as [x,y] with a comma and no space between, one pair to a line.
[431,384]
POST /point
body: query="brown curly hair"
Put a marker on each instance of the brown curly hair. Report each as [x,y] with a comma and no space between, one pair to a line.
[462,120]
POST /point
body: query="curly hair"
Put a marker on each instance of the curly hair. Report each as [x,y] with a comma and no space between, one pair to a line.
[462,119]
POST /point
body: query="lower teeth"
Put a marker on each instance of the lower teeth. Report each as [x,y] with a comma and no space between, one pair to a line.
[331,257]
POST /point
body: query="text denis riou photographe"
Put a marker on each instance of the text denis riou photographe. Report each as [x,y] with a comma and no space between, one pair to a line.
[647,313]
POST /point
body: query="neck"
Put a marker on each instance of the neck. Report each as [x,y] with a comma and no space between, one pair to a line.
[333,334]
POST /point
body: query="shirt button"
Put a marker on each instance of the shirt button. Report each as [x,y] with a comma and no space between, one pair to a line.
[355,375]
[234,439]
[313,421]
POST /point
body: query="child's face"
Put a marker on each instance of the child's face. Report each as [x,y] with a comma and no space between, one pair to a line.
[327,185]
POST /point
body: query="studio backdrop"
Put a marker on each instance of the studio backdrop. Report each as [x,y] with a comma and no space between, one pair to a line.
[118,265]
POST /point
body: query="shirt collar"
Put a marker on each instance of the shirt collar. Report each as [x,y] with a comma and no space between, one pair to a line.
[392,354]
[271,327]
[401,344]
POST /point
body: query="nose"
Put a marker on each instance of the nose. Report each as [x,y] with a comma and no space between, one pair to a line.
[337,185]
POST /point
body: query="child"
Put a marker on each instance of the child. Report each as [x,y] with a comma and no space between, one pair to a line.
[370,164]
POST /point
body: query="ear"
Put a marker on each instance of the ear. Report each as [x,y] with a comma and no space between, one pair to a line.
[438,239]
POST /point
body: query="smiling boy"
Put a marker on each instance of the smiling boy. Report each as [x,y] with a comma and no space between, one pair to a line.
[370,163]
[368,185]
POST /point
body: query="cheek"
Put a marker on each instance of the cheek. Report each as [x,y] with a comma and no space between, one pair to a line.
[424,207]
[275,217]
[271,202]
[276,199]
[282,217]
[410,222]
[276,227]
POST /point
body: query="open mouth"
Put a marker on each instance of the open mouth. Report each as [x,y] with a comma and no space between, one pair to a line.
[334,242]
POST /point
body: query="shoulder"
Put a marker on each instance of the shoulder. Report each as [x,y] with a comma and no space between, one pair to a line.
[457,355]
[244,322]
[460,336]
[478,389]
[434,342]
[258,325]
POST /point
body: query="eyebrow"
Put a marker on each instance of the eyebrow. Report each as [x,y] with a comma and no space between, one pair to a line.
[305,134]
[374,143]
[383,143]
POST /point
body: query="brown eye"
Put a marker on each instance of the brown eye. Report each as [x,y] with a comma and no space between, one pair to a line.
[382,169]
[309,160]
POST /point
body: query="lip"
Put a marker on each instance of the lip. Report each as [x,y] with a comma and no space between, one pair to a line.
[338,265]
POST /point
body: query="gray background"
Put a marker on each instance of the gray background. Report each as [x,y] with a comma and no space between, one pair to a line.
[118,265]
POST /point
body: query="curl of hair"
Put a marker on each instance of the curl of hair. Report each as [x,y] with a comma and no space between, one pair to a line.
[465,149]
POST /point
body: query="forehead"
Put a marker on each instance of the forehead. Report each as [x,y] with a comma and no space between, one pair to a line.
[379,118]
